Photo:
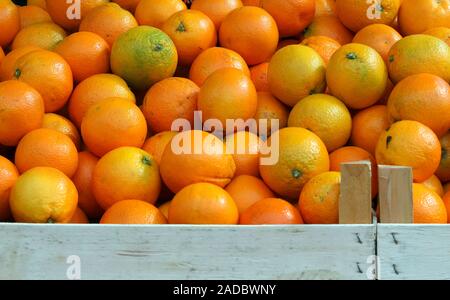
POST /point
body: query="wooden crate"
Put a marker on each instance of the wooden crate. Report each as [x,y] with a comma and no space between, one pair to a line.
[406,250]
[344,251]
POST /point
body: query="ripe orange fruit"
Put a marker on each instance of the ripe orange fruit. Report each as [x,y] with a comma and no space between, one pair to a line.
[428,207]
[323,45]
[32,14]
[214,59]
[325,8]
[357,75]
[434,184]
[39,3]
[368,125]
[295,72]
[129,5]
[443,172]
[87,54]
[196,156]
[49,74]
[164,209]
[442,33]
[21,111]
[244,146]
[410,100]
[79,217]
[83,180]
[47,148]
[43,35]
[10,20]
[419,53]
[248,28]
[7,64]
[319,200]
[324,115]
[352,153]
[216,11]
[133,212]
[111,124]
[420,15]
[192,32]
[156,144]
[142,56]
[126,173]
[60,10]
[331,27]
[155,13]
[170,99]
[378,36]
[270,110]
[251,2]
[43,195]
[63,125]
[446,200]
[247,190]
[2,55]
[292,16]
[95,89]
[8,177]
[357,14]
[108,21]
[302,155]
[258,74]
[203,203]
[409,143]
[271,211]
[387,92]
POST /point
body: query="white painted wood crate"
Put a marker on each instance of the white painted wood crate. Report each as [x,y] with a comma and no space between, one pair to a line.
[344,251]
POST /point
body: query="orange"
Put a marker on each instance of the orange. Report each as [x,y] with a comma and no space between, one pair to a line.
[443,172]
[39,3]
[79,217]
[442,33]
[86,53]
[10,20]
[227,94]
[49,74]
[319,200]
[323,45]
[32,14]
[21,111]
[126,173]
[292,16]
[368,125]
[325,8]
[68,14]
[47,148]
[164,209]
[295,72]
[129,5]
[192,32]
[214,59]
[2,55]
[43,35]
[258,75]
[269,110]
[155,13]
[301,156]
[378,36]
[143,56]
[410,100]
[216,11]
[95,89]
[244,146]
[203,203]
[331,27]
[7,64]
[251,32]
[434,184]
[247,190]
[8,177]
[170,99]
[271,211]
[286,42]
[111,124]
[133,212]
[83,180]
[419,53]
[196,156]
[446,199]
[251,2]
[419,15]
[387,92]
[43,195]
[156,144]
[409,143]
[63,125]
[357,14]
[428,207]
[324,115]
[352,153]
[108,21]
[357,75]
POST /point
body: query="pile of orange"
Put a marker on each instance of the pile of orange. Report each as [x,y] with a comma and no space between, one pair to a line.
[119,114]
